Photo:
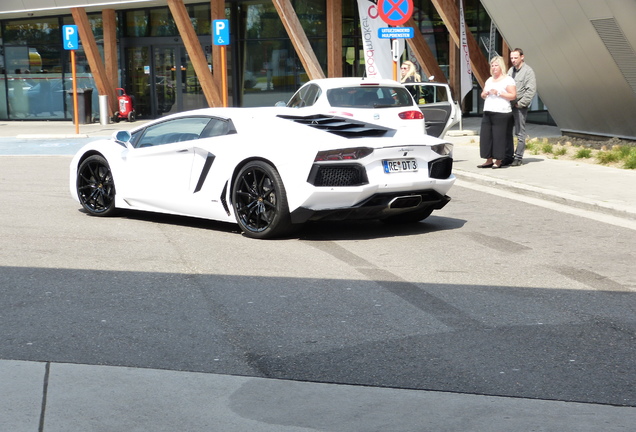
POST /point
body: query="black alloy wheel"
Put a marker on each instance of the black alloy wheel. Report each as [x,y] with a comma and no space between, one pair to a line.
[260,202]
[95,186]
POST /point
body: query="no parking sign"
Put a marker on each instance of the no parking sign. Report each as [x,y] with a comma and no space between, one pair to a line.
[395,12]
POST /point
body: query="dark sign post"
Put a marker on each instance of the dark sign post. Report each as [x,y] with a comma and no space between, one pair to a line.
[70,42]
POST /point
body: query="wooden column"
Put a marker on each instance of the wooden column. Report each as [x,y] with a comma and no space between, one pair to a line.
[103,84]
[454,70]
[334,38]
[195,52]
[424,55]
[110,46]
[217,8]
[299,39]
[449,12]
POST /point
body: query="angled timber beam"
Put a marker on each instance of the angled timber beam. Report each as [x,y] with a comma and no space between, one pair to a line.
[104,86]
[299,38]
[334,38]
[195,52]
[423,53]
[449,12]
[110,46]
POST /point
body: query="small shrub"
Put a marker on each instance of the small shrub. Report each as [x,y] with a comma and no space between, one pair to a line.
[547,148]
[532,147]
[561,151]
[607,157]
[630,161]
[583,153]
[624,151]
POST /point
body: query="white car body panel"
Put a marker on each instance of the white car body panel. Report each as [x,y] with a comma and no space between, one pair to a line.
[172,178]
[385,116]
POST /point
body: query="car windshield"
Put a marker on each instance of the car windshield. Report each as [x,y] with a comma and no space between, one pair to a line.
[369,97]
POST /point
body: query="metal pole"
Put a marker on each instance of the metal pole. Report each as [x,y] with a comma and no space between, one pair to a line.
[75,104]
[223,76]
[103,110]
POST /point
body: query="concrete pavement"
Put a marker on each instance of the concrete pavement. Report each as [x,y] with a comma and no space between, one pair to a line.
[585,189]
[46,397]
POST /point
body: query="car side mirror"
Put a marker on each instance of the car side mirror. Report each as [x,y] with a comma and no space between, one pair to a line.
[122,136]
[280,104]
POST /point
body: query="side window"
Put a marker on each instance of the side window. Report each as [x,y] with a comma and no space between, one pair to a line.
[442,94]
[312,95]
[306,96]
[172,131]
[218,127]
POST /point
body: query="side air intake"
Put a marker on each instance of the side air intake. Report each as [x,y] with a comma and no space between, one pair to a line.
[341,126]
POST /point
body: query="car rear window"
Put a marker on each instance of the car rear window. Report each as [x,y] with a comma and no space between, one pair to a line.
[369,97]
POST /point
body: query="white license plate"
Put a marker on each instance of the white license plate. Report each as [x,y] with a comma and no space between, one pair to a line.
[399,165]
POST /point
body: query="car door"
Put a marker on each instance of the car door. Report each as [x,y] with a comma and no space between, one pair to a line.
[436,103]
[159,167]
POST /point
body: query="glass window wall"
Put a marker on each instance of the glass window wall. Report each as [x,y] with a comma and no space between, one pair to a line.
[271,70]
[32,69]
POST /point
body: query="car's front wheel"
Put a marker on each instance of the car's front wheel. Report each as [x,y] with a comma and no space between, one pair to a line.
[95,186]
[260,201]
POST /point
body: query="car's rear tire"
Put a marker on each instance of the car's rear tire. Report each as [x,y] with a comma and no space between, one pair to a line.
[410,217]
[95,186]
[260,202]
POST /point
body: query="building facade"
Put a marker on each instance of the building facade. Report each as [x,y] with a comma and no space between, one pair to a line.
[154,65]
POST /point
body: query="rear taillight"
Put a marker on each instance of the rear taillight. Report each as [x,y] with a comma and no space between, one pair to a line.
[343,154]
[411,115]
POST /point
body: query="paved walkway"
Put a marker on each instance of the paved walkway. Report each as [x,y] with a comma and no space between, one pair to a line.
[47,397]
[588,190]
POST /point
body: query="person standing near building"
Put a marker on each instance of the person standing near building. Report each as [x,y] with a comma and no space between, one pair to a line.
[409,73]
[494,135]
[526,83]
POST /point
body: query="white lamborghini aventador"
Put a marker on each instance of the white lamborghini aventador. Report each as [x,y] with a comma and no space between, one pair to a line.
[265,169]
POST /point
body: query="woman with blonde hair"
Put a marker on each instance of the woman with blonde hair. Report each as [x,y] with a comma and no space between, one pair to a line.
[498,91]
[409,73]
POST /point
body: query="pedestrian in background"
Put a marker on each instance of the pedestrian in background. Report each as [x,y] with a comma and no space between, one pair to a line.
[494,135]
[526,84]
[409,73]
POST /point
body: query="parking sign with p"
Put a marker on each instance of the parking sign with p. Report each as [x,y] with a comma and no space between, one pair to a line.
[221,32]
[70,39]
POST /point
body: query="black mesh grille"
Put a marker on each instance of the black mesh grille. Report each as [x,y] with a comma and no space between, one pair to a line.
[337,175]
[440,168]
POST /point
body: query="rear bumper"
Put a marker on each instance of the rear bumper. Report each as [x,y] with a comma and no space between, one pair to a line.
[378,206]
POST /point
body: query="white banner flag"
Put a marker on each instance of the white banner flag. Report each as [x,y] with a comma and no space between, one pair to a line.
[464,57]
[378,59]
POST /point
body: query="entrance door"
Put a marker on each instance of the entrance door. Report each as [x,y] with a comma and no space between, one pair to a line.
[162,80]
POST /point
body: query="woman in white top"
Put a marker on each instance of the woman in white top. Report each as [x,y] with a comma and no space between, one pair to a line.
[498,91]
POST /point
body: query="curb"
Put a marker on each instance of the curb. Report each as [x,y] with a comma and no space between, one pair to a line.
[616,210]
[51,136]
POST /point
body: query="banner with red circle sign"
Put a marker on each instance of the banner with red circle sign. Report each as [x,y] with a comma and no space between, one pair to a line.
[395,12]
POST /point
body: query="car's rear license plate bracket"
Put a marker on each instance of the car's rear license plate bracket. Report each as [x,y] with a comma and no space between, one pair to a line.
[399,165]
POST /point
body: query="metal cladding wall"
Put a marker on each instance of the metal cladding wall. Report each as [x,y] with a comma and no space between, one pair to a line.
[583,53]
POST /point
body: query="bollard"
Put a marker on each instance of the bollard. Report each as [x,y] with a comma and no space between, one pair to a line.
[103,110]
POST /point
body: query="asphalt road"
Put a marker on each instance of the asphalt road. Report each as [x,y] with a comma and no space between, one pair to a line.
[488,296]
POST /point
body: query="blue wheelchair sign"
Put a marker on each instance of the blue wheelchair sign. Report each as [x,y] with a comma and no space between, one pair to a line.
[70,37]
[221,32]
